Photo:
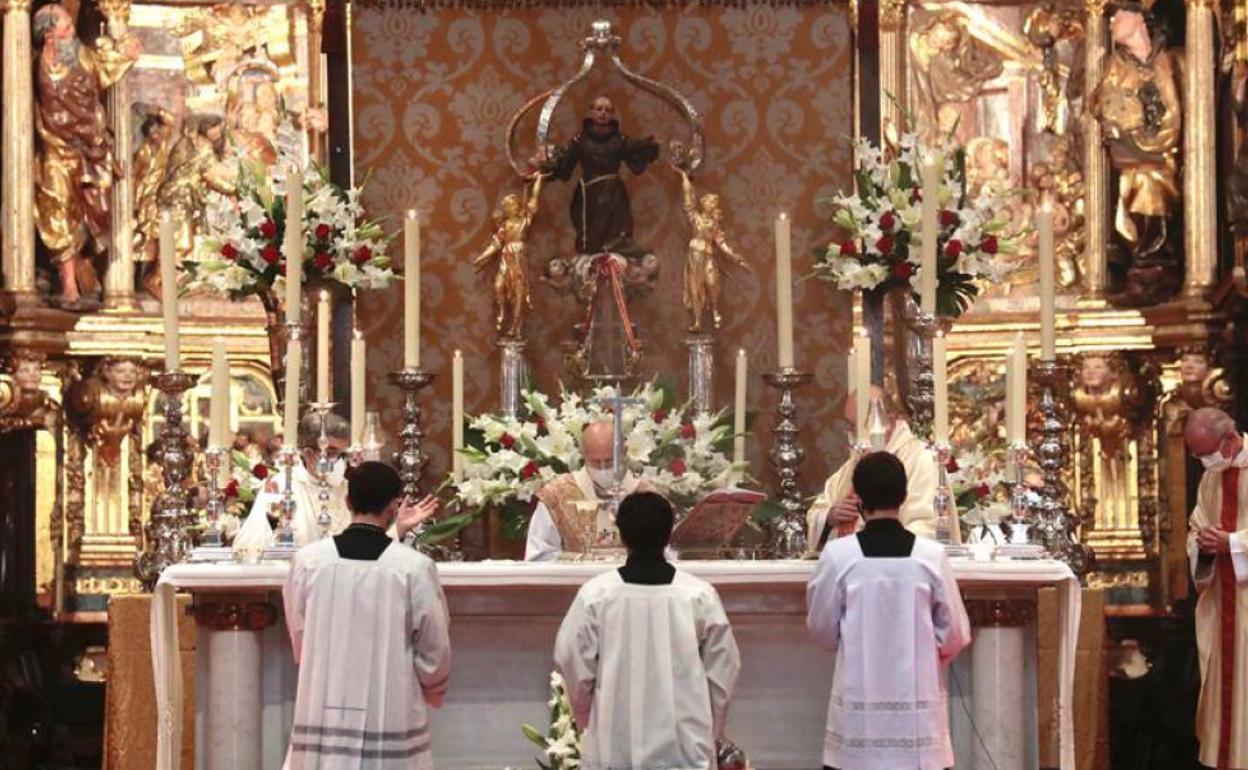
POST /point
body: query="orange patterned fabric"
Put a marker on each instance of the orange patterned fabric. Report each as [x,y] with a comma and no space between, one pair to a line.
[433,94]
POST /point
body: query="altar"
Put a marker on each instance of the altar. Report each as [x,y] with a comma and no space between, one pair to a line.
[504,616]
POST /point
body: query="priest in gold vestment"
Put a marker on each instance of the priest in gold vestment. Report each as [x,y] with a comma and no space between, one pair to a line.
[553,528]
[1217,544]
[836,508]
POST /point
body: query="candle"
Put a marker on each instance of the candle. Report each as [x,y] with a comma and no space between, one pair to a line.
[219,399]
[784,292]
[862,386]
[411,291]
[359,364]
[1016,395]
[169,293]
[738,413]
[940,421]
[294,365]
[927,261]
[322,348]
[457,416]
[293,246]
[1048,337]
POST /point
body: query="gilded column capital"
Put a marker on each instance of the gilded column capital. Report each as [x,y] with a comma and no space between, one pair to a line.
[22,6]
[1000,613]
[1202,4]
[892,13]
[1094,7]
[115,11]
[316,13]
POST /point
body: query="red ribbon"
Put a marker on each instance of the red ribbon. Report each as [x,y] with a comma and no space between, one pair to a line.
[606,267]
[1226,601]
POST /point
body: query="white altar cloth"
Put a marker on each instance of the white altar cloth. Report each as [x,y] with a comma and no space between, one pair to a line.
[480,591]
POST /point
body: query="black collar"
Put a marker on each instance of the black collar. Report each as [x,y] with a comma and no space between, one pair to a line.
[647,568]
[884,525]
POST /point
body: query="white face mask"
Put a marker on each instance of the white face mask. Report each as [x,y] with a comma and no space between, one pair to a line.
[1219,462]
[603,478]
[337,473]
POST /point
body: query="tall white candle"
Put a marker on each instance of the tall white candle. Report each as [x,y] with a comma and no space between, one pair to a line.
[862,385]
[411,291]
[293,246]
[323,312]
[219,397]
[940,417]
[784,292]
[738,410]
[1048,297]
[457,415]
[359,365]
[294,367]
[169,293]
[1016,396]
[927,256]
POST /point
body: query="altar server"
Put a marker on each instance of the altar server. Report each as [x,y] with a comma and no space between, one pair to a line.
[886,602]
[368,624]
[649,658]
[838,504]
[1217,547]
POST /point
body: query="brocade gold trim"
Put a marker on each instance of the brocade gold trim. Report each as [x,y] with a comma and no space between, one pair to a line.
[111,586]
[234,615]
[1001,613]
[508,5]
[1106,580]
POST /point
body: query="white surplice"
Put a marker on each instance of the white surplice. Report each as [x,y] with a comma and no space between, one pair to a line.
[650,672]
[918,512]
[543,541]
[893,623]
[371,640]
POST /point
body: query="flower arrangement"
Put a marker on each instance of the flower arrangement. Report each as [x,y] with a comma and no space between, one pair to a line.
[982,490]
[238,251]
[507,460]
[883,234]
[562,740]
[246,480]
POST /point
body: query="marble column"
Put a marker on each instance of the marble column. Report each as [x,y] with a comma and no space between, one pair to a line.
[17,224]
[1095,161]
[1200,212]
[233,633]
[999,682]
[316,79]
[119,276]
[892,66]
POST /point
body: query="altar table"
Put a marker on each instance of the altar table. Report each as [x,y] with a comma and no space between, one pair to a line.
[504,616]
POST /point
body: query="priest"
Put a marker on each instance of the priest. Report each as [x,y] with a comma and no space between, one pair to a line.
[1217,548]
[886,602]
[648,655]
[552,528]
[836,510]
[306,484]
[369,628]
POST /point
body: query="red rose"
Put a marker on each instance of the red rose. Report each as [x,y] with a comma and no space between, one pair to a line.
[268,228]
[231,489]
[953,248]
[952,465]
[323,231]
[541,424]
[983,490]
[989,245]
[229,252]
[260,471]
[887,220]
[948,218]
[270,254]
[507,441]
[903,270]
[677,466]
[362,254]
[884,245]
[687,431]
[323,261]
[529,470]
[916,194]
[659,415]
[849,248]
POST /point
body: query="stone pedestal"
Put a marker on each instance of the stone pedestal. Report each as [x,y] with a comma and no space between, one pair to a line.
[999,686]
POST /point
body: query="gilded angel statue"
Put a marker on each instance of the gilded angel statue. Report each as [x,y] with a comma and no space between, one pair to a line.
[702,276]
[511,282]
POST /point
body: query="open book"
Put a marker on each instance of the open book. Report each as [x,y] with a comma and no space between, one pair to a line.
[712,523]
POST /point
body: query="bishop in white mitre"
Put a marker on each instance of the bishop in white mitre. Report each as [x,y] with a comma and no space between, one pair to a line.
[305,488]
[1217,545]
[552,528]
[369,628]
[648,655]
[886,602]
[835,510]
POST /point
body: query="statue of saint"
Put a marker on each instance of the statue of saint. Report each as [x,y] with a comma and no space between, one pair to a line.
[950,68]
[702,281]
[151,161]
[196,166]
[1141,115]
[74,160]
[511,280]
[600,208]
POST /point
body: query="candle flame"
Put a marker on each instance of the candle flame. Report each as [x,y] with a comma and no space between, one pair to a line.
[324,295]
[411,213]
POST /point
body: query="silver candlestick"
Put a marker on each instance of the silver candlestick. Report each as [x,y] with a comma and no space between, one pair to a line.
[1057,524]
[701,349]
[409,458]
[1020,545]
[946,518]
[324,465]
[167,542]
[216,498]
[921,400]
[514,372]
[787,455]
[284,538]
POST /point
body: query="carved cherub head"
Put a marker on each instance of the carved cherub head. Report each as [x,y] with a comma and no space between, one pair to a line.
[710,204]
[1193,366]
[1095,373]
[27,371]
[120,375]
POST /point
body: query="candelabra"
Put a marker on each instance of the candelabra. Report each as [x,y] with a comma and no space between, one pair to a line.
[324,465]
[786,456]
[410,460]
[921,398]
[701,372]
[946,518]
[211,543]
[167,541]
[1057,524]
[1020,545]
[284,538]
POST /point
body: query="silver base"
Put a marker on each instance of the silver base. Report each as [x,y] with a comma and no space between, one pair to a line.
[279,553]
[1020,551]
[957,552]
[211,553]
